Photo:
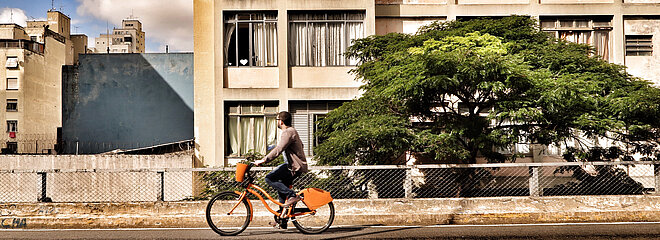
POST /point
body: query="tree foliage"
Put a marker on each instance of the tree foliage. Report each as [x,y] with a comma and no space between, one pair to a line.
[463,89]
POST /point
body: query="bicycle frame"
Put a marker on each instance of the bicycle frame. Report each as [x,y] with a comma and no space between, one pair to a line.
[243,195]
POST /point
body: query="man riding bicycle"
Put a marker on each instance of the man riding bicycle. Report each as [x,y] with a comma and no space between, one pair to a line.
[294,164]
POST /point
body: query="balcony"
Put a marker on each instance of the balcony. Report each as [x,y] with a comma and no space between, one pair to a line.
[251,77]
[23,44]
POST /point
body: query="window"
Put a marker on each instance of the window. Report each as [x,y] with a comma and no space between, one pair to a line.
[322,38]
[639,45]
[12,62]
[12,148]
[12,105]
[595,32]
[250,126]
[250,39]
[12,83]
[33,38]
[12,126]
[305,120]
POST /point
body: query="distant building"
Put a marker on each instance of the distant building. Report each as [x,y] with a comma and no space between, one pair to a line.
[127,39]
[31,77]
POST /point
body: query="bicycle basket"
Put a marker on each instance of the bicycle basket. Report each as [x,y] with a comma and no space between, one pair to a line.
[240,171]
[315,198]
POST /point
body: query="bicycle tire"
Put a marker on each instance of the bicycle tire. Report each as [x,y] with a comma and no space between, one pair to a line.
[305,225]
[216,214]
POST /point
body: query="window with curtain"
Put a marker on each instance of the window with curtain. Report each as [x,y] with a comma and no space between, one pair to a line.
[320,38]
[595,32]
[250,126]
[250,39]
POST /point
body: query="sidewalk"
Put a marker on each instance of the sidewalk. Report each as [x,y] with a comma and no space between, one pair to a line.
[391,212]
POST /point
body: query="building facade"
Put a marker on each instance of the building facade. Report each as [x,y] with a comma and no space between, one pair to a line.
[255,58]
[32,60]
[127,39]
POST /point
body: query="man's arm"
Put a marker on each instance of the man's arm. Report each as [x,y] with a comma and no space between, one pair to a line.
[281,145]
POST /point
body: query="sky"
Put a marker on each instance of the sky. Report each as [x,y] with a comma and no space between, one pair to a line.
[165,22]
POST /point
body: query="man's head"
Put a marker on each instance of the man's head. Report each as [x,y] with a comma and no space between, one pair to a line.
[285,118]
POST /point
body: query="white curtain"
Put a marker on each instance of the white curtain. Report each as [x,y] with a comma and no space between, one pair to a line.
[259,137]
[232,132]
[271,131]
[602,44]
[264,43]
[247,134]
[355,31]
[576,36]
[298,38]
[229,31]
[336,44]
[317,44]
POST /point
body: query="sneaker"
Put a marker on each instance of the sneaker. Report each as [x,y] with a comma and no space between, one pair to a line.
[291,201]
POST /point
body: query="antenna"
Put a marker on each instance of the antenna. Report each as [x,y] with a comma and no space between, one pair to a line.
[11,15]
[52,4]
[76,28]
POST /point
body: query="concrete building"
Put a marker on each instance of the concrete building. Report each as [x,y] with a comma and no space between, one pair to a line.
[32,60]
[127,39]
[255,58]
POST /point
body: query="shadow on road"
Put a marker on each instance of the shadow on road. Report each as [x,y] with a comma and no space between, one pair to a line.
[358,228]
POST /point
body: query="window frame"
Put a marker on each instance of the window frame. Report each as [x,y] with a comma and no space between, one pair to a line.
[236,21]
[9,126]
[594,25]
[17,62]
[239,115]
[18,84]
[327,21]
[12,101]
[638,47]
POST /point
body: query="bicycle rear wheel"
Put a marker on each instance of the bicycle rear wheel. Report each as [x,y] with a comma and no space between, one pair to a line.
[219,219]
[317,222]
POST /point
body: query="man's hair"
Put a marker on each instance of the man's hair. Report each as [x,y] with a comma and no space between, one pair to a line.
[285,117]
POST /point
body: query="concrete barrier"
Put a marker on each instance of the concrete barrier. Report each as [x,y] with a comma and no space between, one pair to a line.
[501,210]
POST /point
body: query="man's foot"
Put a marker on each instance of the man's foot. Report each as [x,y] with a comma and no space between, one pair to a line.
[291,201]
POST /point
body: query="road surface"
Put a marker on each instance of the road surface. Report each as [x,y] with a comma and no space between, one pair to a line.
[524,231]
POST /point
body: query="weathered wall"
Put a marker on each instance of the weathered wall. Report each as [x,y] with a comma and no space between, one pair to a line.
[127,101]
[98,187]
[415,212]
[645,66]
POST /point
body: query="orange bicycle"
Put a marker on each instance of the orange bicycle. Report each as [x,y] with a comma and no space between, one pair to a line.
[229,213]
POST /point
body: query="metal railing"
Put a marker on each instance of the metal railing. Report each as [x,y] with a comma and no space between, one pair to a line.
[344,182]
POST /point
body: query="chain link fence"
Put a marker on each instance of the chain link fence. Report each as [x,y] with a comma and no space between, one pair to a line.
[344,182]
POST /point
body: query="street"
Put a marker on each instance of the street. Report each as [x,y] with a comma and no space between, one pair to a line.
[521,231]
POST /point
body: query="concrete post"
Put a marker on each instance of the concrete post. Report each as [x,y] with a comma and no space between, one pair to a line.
[43,197]
[656,170]
[534,182]
[161,189]
[408,183]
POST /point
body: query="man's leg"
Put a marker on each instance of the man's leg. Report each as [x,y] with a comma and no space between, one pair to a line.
[280,179]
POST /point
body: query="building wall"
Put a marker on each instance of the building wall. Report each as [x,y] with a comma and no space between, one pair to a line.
[127,101]
[215,84]
[645,67]
[79,43]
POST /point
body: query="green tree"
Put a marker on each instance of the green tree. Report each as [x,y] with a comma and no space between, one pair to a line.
[463,89]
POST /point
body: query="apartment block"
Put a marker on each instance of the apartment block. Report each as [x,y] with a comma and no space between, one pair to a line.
[255,58]
[31,79]
[127,39]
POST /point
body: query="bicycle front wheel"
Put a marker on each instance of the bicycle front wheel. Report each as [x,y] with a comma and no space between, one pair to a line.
[317,222]
[220,219]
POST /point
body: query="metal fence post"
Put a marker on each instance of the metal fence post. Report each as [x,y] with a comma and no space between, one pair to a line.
[534,183]
[161,190]
[43,197]
[656,173]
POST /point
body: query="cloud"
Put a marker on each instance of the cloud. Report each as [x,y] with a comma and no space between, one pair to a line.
[164,22]
[17,17]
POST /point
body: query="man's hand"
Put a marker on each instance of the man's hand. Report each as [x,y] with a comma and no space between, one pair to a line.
[257,163]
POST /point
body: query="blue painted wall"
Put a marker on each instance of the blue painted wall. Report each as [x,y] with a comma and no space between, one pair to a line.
[127,101]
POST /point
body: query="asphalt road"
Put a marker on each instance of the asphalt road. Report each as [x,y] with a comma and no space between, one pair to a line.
[526,231]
